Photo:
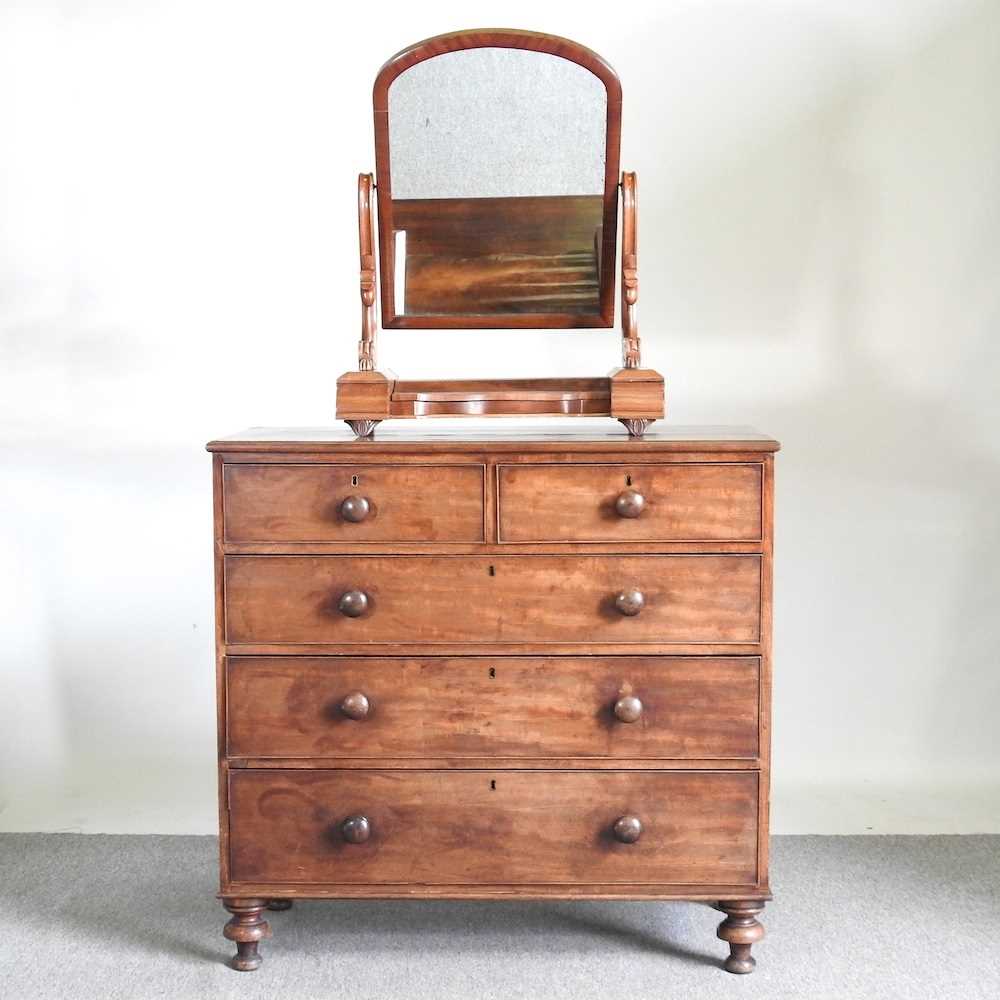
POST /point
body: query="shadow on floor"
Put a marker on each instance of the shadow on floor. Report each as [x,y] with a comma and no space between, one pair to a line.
[156,898]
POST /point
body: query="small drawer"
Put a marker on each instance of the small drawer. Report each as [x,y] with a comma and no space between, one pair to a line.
[353,503]
[532,600]
[666,707]
[493,827]
[630,503]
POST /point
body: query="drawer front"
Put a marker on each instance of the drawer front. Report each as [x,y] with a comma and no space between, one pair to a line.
[629,503]
[473,599]
[391,503]
[523,707]
[492,827]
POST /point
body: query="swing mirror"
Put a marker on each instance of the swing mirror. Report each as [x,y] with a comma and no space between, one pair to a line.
[497,199]
[497,166]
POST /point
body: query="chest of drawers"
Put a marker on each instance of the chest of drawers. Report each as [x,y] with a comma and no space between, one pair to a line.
[525,666]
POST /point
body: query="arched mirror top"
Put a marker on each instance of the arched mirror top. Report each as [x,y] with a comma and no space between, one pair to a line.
[510,38]
[497,163]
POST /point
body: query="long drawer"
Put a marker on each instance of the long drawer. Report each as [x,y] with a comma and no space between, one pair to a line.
[493,827]
[670,707]
[353,503]
[472,599]
[630,503]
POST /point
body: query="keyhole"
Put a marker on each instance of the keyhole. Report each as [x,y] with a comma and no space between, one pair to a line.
[493,671]
[493,571]
[628,480]
[493,786]
[354,480]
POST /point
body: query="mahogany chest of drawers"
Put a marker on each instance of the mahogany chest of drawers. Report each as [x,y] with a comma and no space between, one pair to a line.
[533,665]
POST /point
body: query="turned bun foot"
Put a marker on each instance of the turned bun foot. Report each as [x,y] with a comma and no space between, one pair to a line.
[279,904]
[741,930]
[247,929]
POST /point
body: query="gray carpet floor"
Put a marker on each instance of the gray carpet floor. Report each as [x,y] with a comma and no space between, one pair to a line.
[871,917]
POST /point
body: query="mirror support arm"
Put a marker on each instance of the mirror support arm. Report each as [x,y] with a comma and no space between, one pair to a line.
[363,396]
[366,236]
[631,357]
[631,394]
[636,392]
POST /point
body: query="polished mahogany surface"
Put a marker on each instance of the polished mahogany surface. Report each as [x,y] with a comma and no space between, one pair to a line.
[662,438]
[497,256]
[494,665]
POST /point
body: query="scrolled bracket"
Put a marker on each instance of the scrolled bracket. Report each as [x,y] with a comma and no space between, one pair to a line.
[366,237]
[631,353]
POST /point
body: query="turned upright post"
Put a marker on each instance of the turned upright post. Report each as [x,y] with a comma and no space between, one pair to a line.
[636,392]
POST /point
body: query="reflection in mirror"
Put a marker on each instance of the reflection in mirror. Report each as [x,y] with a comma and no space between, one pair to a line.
[497,172]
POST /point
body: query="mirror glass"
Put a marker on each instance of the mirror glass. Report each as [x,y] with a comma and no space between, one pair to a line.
[497,165]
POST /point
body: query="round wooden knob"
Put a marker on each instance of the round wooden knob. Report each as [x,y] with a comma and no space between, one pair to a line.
[353,603]
[355,509]
[356,829]
[627,829]
[629,503]
[628,708]
[630,602]
[356,706]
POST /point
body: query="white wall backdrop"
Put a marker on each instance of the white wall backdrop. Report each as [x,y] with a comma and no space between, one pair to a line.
[819,256]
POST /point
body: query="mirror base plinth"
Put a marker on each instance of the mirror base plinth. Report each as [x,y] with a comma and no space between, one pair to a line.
[552,397]
[633,396]
[363,400]
[637,394]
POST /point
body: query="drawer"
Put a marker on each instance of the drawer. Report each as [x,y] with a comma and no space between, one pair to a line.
[390,503]
[521,707]
[492,827]
[629,503]
[481,599]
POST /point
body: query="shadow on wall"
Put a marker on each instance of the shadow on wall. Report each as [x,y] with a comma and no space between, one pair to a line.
[858,284]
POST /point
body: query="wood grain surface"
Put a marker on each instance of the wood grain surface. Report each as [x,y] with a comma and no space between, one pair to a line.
[462,827]
[490,719]
[695,502]
[469,599]
[514,707]
[561,443]
[302,503]
[501,255]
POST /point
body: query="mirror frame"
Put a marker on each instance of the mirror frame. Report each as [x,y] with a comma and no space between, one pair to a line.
[509,39]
